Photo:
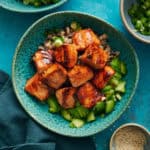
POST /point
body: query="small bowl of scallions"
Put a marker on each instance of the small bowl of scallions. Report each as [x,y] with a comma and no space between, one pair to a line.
[136,18]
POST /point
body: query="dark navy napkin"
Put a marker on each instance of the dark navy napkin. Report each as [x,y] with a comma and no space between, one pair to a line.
[19,132]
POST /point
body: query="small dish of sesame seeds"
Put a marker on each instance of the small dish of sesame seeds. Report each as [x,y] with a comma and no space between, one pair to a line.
[130,136]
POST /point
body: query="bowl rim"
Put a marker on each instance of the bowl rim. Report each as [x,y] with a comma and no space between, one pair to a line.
[98,19]
[38,10]
[141,127]
[127,25]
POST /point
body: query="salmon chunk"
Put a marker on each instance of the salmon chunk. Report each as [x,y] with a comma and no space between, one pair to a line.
[102,77]
[66,55]
[65,97]
[79,75]
[42,59]
[88,95]
[83,38]
[37,88]
[55,76]
[95,57]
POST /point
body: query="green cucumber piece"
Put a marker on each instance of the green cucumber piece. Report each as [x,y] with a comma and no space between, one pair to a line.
[109,106]
[57,41]
[99,107]
[79,112]
[112,98]
[114,81]
[107,88]
[76,123]
[109,93]
[115,64]
[74,113]
[54,107]
[123,68]
[121,87]
[83,112]
[91,117]
[66,115]
[118,96]
[117,75]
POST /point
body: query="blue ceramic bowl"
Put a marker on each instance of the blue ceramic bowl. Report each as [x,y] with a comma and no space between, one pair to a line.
[124,6]
[22,69]
[18,6]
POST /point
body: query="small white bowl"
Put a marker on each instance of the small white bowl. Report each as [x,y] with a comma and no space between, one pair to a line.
[143,129]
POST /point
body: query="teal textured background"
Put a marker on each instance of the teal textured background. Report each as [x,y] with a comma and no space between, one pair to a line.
[13,25]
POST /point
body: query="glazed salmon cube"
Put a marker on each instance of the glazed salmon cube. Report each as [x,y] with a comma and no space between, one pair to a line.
[66,55]
[88,95]
[65,97]
[83,38]
[79,75]
[42,59]
[95,57]
[55,76]
[37,88]
[102,77]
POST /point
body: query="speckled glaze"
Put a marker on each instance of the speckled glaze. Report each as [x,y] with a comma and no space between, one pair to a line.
[18,6]
[135,125]
[124,6]
[22,69]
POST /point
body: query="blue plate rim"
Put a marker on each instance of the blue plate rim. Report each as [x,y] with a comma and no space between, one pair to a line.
[89,15]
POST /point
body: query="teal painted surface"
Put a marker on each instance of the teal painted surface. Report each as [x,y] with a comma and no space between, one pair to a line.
[13,25]
[23,70]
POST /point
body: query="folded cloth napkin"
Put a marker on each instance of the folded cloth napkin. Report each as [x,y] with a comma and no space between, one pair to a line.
[19,132]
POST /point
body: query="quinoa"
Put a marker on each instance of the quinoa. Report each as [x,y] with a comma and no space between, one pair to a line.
[67,33]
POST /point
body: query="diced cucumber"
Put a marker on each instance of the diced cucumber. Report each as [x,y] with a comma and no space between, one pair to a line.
[57,41]
[109,93]
[76,123]
[99,107]
[114,81]
[66,115]
[118,96]
[54,107]
[117,75]
[109,106]
[112,98]
[118,66]
[123,68]
[115,64]
[107,88]
[74,113]
[79,112]
[121,87]
[91,117]
[82,111]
